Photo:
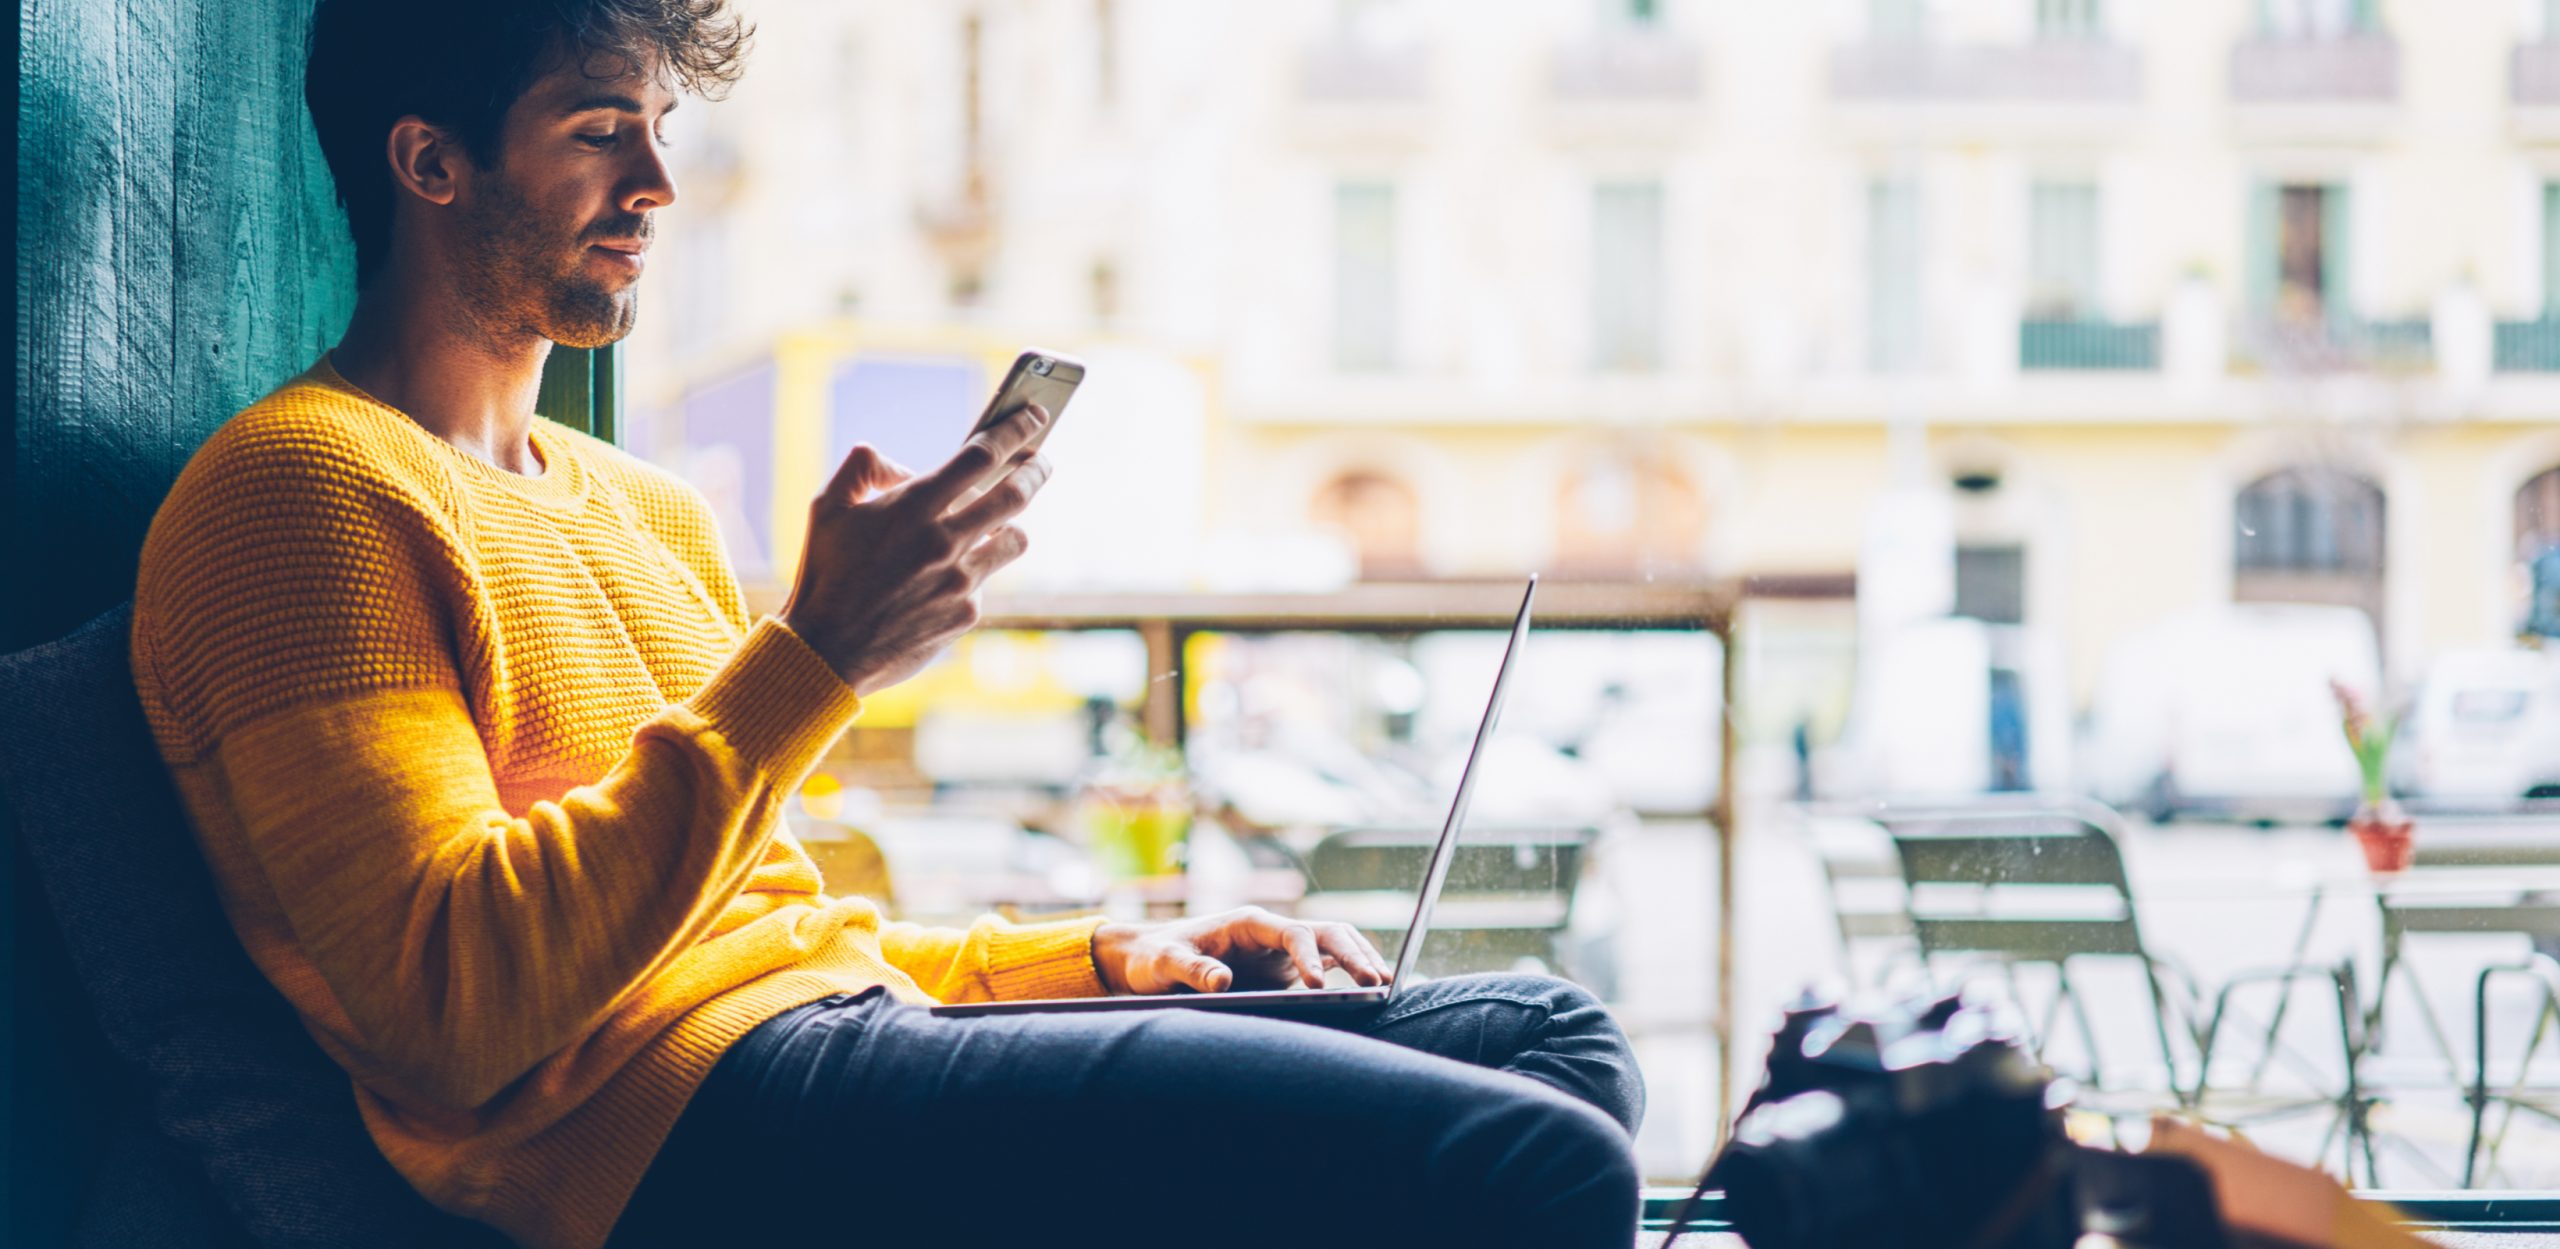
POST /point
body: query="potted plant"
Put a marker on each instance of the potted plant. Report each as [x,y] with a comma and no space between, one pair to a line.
[2385,834]
[1135,813]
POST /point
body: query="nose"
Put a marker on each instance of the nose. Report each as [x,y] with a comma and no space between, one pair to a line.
[649,184]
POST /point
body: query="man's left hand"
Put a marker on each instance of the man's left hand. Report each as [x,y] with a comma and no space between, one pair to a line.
[1244,949]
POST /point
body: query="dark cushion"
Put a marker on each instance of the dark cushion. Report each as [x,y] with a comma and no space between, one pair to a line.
[240,1105]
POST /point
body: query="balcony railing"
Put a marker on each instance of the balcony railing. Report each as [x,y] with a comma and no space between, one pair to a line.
[2533,75]
[2354,69]
[2527,346]
[1628,66]
[2056,346]
[1345,70]
[2055,72]
[2342,344]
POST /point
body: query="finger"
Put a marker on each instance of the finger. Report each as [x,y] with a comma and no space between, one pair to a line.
[981,458]
[1004,500]
[1000,548]
[1376,958]
[1200,971]
[1342,944]
[1300,941]
[863,471]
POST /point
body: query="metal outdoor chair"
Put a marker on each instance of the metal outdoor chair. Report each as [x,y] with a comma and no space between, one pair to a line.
[2490,911]
[2542,1101]
[1870,904]
[2047,886]
[1509,895]
[2030,887]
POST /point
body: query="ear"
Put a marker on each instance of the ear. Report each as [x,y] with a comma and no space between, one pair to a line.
[424,159]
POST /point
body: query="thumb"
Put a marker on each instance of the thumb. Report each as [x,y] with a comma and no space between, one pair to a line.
[1202,972]
[863,471]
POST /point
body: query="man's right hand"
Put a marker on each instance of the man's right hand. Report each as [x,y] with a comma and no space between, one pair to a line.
[890,572]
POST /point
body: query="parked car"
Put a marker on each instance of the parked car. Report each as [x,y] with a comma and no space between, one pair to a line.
[2226,710]
[2483,731]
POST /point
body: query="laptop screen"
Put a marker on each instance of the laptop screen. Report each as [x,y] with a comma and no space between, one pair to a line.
[1441,854]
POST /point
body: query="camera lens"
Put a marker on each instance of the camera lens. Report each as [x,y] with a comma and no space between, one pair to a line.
[1041,366]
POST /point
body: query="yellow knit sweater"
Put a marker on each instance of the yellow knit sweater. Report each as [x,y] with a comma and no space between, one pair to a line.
[489,771]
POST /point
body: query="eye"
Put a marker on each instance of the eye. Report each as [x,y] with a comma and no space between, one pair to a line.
[599,141]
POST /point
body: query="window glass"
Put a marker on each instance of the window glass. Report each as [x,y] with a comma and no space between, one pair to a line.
[1893,274]
[2070,19]
[1626,276]
[1364,276]
[2550,247]
[2318,19]
[1897,19]
[2062,258]
[2031,441]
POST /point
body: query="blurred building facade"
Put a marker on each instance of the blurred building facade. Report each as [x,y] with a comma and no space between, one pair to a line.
[2111,307]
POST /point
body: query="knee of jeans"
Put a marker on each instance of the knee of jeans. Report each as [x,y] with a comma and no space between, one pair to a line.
[1578,1143]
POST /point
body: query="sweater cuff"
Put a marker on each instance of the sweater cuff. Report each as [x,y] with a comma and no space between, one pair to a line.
[1044,961]
[778,704]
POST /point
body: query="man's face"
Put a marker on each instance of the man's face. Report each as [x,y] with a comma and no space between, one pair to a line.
[552,234]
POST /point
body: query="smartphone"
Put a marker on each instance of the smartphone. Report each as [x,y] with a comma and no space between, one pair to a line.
[1046,378]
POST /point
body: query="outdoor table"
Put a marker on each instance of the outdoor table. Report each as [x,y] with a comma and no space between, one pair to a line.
[2474,880]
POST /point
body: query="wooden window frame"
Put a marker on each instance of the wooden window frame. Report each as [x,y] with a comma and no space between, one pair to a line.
[582,389]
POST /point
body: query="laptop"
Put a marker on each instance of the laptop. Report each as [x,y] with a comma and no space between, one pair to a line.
[1289,1003]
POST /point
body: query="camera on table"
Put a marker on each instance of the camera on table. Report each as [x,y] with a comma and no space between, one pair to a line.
[1929,1125]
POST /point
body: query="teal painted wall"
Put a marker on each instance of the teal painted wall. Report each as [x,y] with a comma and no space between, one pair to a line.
[178,251]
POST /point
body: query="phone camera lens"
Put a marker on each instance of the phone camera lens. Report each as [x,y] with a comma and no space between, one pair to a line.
[1041,366]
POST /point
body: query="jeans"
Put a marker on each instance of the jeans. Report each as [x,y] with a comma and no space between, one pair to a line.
[1477,1111]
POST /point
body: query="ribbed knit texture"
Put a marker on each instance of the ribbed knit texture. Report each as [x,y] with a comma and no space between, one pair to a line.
[489,771]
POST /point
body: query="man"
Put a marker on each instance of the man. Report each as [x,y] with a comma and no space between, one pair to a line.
[488,761]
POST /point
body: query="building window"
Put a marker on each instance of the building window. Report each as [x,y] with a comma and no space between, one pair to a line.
[1102,285]
[1893,275]
[2062,251]
[2538,550]
[2551,247]
[1364,277]
[1626,277]
[2318,19]
[2538,515]
[2310,535]
[1625,514]
[1380,517]
[973,93]
[1106,52]
[2298,245]
[1991,583]
[2070,19]
[1897,19]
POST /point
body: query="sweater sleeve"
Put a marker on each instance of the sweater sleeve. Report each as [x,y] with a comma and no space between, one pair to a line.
[994,959]
[301,628]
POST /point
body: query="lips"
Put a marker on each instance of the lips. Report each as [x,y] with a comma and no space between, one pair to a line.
[628,256]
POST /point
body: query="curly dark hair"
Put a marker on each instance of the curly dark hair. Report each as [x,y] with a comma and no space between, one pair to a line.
[462,63]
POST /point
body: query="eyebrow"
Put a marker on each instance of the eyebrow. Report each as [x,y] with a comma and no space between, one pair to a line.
[615,103]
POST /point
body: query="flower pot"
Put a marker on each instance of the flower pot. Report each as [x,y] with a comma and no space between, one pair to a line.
[1136,834]
[2386,835]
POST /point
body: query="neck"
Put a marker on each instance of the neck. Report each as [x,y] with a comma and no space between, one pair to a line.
[413,344]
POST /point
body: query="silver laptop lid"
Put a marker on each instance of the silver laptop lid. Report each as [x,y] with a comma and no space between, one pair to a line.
[1438,873]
